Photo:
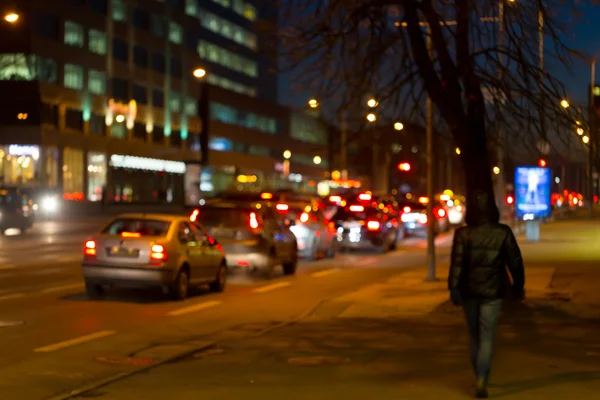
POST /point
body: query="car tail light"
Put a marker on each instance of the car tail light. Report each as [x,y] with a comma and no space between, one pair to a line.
[373,225]
[335,199]
[158,253]
[90,248]
[304,217]
[364,197]
[441,213]
[282,207]
[131,234]
[406,209]
[194,215]
[266,196]
[253,221]
[423,218]
[357,208]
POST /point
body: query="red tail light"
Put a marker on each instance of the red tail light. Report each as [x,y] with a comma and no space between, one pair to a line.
[282,207]
[253,221]
[304,217]
[357,208]
[158,254]
[90,248]
[364,197]
[335,199]
[131,234]
[373,225]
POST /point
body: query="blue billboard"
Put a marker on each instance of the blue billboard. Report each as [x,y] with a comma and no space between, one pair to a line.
[532,192]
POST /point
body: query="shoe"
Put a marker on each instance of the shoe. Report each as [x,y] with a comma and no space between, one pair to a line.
[481,390]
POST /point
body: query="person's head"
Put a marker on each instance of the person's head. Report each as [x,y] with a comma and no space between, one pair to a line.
[481,208]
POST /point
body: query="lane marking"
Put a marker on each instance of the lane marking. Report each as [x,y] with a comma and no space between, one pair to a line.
[7,266]
[74,341]
[197,307]
[12,296]
[325,272]
[274,286]
[64,287]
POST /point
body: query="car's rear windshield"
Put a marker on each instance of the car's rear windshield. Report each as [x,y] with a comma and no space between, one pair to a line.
[223,216]
[346,214]
[140,226]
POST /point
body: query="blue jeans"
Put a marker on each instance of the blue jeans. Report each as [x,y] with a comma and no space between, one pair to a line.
[482,320]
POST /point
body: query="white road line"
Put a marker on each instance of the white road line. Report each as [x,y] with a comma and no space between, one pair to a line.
[197,307]
[325,272]
[7,266]
[74,341]
[61,288]
[274,286]
[11,296]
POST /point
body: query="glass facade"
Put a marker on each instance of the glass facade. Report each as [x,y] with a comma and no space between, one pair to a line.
[240,7]
[228,29]
[308,129]
[231,85]
[227,58]
[27,67]
[233,116]
[19,165]
[72,170]
[96,169]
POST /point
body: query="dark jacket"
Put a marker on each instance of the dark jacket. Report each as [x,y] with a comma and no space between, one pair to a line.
[481,252]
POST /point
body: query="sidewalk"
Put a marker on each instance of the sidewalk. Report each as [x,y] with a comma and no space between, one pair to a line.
[402,339]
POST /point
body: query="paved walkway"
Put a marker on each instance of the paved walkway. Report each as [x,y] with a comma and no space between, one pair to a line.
[402,339]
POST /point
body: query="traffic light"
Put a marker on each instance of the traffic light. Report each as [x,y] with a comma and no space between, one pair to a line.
[404,166]
[542,163]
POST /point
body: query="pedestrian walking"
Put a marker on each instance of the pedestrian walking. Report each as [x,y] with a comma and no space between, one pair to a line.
[478,279]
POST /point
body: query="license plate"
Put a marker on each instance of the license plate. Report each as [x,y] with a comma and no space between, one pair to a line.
[123,252]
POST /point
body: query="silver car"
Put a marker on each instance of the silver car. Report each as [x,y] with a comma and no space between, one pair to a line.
[253,234]
[169,251]
[314,233]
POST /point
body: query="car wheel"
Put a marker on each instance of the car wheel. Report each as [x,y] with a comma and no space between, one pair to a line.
[218,285]
[289,268]
[179,289]
[93,291]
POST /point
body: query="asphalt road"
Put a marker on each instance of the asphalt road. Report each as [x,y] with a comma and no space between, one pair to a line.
[53,339]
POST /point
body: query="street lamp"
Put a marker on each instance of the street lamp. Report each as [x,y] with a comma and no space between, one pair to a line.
[11,17]
[372,103]
[585,139]
[457,151]
[580,131]
[398,126]
[199,73]
[496,170]
[371,117]
[287,154]
[317,160]
[564,103]
[313,103]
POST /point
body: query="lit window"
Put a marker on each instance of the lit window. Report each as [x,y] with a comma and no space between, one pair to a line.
[191,7]
[175,102]
[119,10]
[175,33]
[227,58]
[97,42]
[96,82]
[191,106]
[250,12]
[74,34]
[73,77]
[238,6]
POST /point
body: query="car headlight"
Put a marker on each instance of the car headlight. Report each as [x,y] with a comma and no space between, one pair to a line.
[50,204]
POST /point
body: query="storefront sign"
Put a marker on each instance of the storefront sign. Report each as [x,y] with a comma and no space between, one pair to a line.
[126,112]
[19,150]
[147,164]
